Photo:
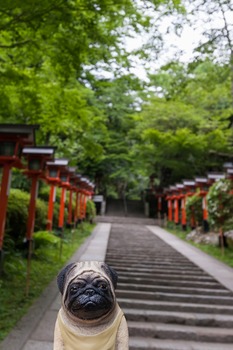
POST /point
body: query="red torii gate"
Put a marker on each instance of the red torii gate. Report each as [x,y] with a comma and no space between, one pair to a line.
[53,179]
[13,137]
[174,204]
[36,162]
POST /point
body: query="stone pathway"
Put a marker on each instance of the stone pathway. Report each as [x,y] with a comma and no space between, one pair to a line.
[174,296]
[170,302]
[35,330]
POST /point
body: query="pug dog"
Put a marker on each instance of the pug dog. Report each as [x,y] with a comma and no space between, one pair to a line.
[90,317]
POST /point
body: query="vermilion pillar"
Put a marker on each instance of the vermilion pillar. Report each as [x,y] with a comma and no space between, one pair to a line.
[82,205]
[70,208]
[86,194]
[62,209]
[204,207]
[76,207]
[176,210]
[169,206]
[52,197]
[183,212]
[5,189]
[32,207]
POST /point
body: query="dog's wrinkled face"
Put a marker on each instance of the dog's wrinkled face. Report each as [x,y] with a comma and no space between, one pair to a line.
[89,296]
[88,289]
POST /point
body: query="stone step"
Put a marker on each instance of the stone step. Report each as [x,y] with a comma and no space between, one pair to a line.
[174,331]
[151,263]
[143,343]
[171,276]
[168,282]
[161,269]
[148,259]
[181,318]
[174,297]
[169,302]
[174,306]
[173,289]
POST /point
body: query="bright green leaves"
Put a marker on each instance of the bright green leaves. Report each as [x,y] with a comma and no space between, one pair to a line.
[184,130]
[220,204]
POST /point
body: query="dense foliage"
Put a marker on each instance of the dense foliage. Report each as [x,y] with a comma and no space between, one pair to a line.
[90,211]
[220,204]
[17,214]
[66,65]
[194,208]
[47,261]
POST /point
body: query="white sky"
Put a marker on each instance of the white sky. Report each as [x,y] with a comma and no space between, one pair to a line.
[181,47]
[184,45]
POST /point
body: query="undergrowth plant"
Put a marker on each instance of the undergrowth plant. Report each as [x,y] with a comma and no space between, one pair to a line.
[46,262]
[194,207]
[220,204]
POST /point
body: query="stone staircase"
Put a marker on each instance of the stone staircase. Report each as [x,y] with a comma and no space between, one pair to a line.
[169,303]
[129,208]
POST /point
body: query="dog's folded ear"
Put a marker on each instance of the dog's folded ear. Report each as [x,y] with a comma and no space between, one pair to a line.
[61,278]
[111,273]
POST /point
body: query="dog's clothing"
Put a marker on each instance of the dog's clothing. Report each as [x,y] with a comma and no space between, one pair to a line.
[105,340]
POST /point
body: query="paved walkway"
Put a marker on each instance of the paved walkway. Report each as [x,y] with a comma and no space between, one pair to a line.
[35,330]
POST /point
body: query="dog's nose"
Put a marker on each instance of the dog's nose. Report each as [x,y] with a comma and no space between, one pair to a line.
[90,292]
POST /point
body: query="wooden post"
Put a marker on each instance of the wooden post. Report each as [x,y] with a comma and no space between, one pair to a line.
[204,207]
[70,209]
[32,207]
[169,209]
[176,209]
[52,198]
[62,209]
[30,226]
[183,213]
[5,189]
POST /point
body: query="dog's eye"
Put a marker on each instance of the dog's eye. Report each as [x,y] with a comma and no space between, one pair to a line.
[73,289]
[103,286]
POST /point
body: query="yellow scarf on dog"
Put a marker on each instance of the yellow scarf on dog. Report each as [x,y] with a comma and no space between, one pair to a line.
[105,340]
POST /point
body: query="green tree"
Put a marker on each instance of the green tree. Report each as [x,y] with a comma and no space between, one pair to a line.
[216,40]
[183,130]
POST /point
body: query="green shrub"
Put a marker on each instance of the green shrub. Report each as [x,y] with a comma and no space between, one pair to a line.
[44,239]
[19,180]
[194,206]
[41,215]
[17,215]
[220,204]
[90,210]
[44,196]
[44,193]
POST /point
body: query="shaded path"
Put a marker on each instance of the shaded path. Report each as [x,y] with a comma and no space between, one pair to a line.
[170,303]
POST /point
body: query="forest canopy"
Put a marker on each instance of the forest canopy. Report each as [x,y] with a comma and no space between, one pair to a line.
[68,66]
